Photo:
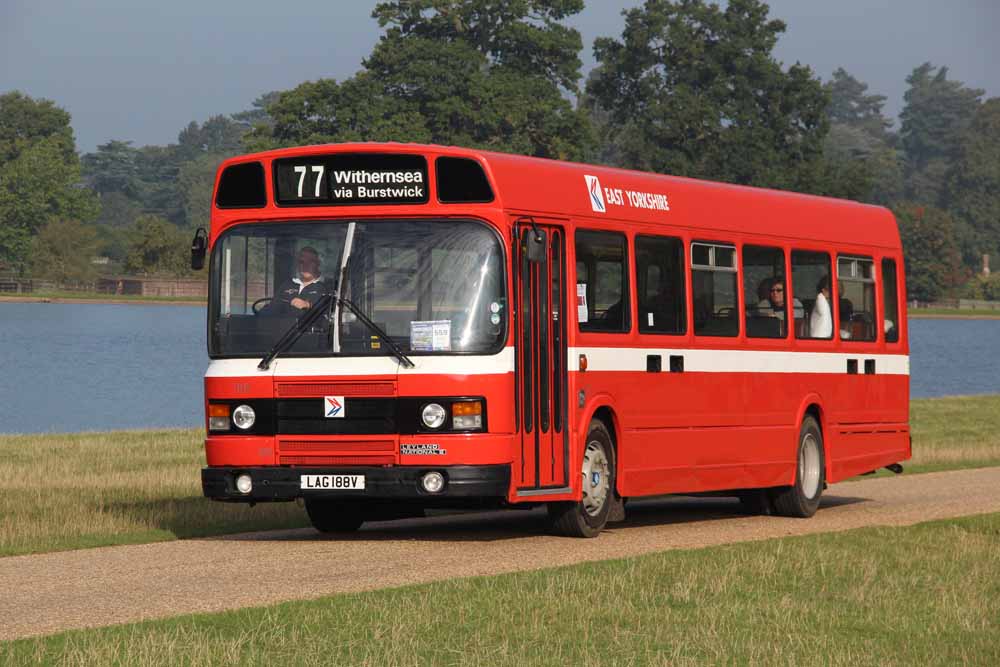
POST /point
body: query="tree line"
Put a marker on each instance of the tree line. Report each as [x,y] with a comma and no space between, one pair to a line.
[688,88]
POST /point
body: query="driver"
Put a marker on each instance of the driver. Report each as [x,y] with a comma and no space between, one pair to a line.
[303,291]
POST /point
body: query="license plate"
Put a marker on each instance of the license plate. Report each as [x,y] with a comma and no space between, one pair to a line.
[332,482]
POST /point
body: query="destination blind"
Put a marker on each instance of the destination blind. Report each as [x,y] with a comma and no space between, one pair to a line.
[346,179]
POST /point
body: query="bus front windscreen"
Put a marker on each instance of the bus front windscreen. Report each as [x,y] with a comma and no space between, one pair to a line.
[435,287]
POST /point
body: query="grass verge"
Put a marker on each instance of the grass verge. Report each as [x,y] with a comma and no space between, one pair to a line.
[125,487]
[957,313]
[98,297]
[97,489]
[920,595]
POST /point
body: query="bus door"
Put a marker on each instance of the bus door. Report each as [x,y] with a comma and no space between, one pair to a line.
[540,293]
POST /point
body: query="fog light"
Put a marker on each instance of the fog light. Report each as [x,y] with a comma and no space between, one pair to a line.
[218,417]
[433,481]
[244,484]
[244,416]
[218,423]
[466,415]
[433,415]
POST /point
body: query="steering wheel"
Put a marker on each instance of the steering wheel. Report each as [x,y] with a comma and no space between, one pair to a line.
[260,304]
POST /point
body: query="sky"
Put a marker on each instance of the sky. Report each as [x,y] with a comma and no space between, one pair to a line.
[140,71]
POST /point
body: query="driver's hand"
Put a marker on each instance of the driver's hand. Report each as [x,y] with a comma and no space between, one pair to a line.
[301,304]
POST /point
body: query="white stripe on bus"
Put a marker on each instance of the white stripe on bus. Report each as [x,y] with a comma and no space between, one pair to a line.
[735,361]
[598,359]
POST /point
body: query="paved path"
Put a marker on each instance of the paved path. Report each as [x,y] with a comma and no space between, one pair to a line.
[49,593]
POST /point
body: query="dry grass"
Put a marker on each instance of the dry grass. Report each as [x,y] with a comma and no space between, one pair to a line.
[924,595]
[71,491]
[91,489]
[955,432]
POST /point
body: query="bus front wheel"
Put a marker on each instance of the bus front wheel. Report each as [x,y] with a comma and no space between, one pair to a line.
[587,517]
[801,499]
[331,516]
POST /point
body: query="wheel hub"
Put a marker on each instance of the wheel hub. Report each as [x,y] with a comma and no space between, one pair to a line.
[595,477]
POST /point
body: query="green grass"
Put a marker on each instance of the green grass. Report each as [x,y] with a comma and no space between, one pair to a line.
[953,312]
[920,595]
[95,489]
[955,432]
[101,296]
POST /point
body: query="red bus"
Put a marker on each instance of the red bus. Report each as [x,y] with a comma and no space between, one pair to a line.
[397,327]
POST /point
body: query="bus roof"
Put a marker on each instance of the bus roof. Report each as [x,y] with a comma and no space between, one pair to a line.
[546,187]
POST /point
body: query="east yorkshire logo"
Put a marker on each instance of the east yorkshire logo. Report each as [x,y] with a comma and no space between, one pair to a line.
[601,198]
[333,406]
[596,194]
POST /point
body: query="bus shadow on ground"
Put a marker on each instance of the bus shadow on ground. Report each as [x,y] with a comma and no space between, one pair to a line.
[487,526]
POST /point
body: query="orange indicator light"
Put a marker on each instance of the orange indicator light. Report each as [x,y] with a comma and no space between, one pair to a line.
[466,408]
[218,410]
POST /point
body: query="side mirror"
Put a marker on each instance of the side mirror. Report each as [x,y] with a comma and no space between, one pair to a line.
[199,245]
[536,247]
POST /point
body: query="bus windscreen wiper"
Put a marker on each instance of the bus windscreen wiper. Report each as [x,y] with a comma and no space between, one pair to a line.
[296,330]
[397,351]
[310,316]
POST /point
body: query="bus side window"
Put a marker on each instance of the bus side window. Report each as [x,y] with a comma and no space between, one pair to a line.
[765,292]
[713,286]
[660,284]
[856,298]
[890,301]
[811,287]
[604,287]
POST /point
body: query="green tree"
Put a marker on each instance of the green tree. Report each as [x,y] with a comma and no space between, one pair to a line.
[117,210]
[933,261]
[935,117]
[63,251]
[861,159]
[851,105]
[113,168]
[479,73]
[156,246]
[38,186]
[24,121]
[219,135]
[692,89]
[973,191]
[195,183]
[258,113]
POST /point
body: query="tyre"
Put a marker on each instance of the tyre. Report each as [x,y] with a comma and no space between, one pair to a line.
[802,498]
[587,517]
[331,516]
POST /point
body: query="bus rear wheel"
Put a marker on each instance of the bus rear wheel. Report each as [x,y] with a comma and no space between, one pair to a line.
[801,499]
[332,516]
[588,517]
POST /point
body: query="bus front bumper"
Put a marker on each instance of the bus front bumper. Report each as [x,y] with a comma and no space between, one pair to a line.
[274,483]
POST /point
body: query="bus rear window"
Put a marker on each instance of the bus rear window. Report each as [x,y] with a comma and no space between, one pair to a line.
[242,186]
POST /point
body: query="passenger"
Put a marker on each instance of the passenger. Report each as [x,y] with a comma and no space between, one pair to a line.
[774,304]
[820,319]
[303,291]
[846,313]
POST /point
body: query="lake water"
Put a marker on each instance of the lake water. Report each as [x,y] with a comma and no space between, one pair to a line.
[86,367]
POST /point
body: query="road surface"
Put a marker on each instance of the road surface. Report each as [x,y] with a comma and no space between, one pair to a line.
[48,593]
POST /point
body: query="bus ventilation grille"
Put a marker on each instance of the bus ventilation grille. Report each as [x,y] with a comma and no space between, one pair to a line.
[314,389]
[334,446]
[337,460]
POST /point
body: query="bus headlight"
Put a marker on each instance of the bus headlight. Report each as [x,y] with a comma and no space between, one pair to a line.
[244,417]
[433,415]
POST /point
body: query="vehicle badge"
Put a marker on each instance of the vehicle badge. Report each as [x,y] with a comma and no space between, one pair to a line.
[333,407]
